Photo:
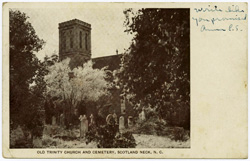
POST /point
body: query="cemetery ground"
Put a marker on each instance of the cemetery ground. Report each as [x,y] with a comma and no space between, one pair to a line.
[55,136]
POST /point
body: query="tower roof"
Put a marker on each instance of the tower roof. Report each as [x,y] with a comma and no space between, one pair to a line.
[74,22]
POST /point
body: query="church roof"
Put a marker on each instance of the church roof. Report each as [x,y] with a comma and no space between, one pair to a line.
[112,62]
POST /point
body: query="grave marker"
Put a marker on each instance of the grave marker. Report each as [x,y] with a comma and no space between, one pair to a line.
[92,121]
[62,120]
[143,117]
[83,125]
[121,123]
[130,121]
[115,118]
[53,120]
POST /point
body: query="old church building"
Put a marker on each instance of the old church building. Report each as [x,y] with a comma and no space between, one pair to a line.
[75,43]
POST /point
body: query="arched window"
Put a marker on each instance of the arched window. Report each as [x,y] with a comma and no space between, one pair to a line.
[80,41]
[71,39]
[64,41]
[86,41]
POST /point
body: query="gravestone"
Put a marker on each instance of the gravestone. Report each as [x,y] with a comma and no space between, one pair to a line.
[115,118]
[83,125]
[92,121]
[140,117]
[53,120]
[37,143]
[48,130]
[123,107]
[109,119]
[143,117]
[62,120]
[121,123]
[75,112]
[130,121]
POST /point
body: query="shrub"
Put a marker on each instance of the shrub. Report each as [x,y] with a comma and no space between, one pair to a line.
[147,127]
[124,140]
[48,141]
[19,138]
[179,134]
[108,136]
[152,126]
[178,114]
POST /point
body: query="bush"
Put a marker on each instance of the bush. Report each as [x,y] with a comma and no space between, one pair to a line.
[108,136]
[155,126]
[19,138]
[152,126]
[147,127]
[178,115]
[48,141]
[124,140]
[179,134]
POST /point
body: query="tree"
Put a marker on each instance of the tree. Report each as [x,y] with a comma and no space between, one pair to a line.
[156,68]
[74,86]
[24,64]
[38,87]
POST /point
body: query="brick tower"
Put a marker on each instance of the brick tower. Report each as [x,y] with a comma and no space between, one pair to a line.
[75,41]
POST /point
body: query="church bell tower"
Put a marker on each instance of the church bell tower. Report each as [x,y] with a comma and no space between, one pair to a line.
[75,41]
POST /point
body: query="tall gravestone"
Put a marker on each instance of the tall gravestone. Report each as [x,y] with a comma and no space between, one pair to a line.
[143,117]
[121,123]
[83,125]
[53,120]
[123,106]
[62,120]
[92,121]
[115,118]
[130,121]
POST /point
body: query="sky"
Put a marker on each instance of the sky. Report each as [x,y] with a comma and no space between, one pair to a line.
[107,34]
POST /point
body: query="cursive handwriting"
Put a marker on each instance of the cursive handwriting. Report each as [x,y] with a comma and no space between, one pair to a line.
[210,22]
[213,9]
[234,9]
[213,20]
[203,28]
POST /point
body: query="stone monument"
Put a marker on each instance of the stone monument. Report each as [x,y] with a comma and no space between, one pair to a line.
[130,121]
[83,125]
[143,117]
[62,120]
[115,118]
[121,123]
[53,120]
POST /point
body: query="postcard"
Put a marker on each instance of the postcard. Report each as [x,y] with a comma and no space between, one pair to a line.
[125,80]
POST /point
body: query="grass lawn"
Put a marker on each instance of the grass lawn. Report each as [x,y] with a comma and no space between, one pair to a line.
[70,139]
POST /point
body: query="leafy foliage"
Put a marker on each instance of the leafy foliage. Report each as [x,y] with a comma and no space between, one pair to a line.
[153,126]
[156,68]
[179,134]
[124,140]
[75,87]
[25,102]
[108,136]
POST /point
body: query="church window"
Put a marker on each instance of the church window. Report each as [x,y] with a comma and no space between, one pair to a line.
[71,39]
[64,41]
[80,37]
[86,41]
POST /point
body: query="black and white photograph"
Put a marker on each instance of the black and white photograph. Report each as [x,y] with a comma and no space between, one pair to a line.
[99,78]
[119,80]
